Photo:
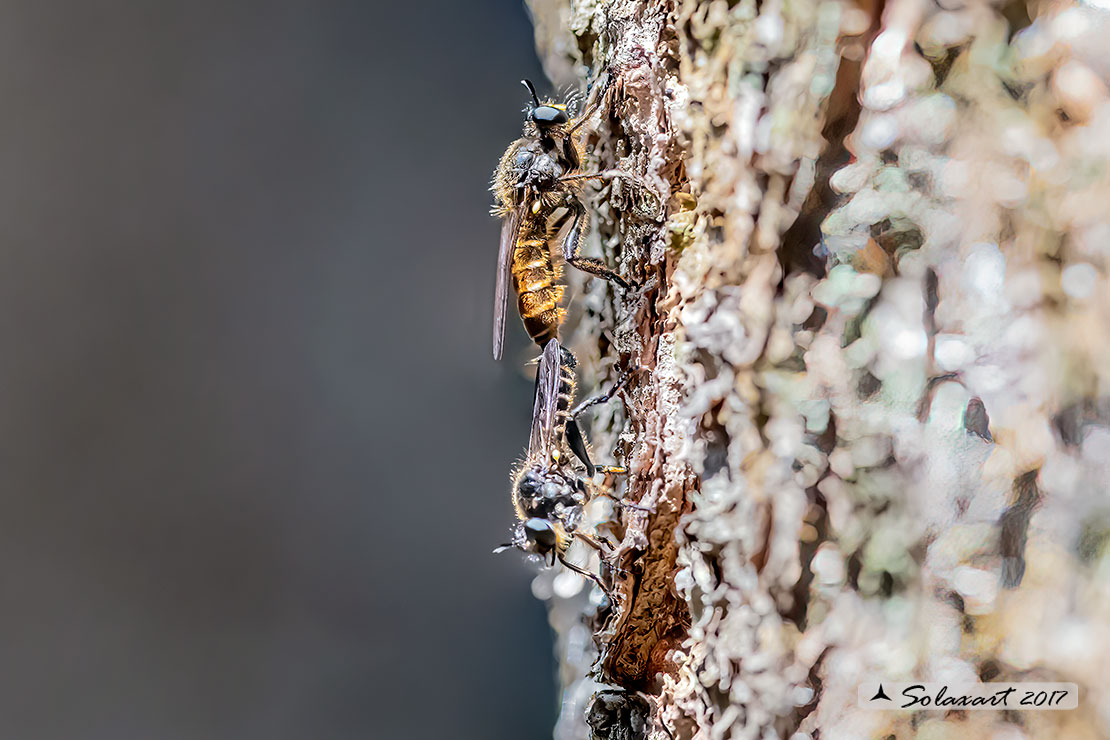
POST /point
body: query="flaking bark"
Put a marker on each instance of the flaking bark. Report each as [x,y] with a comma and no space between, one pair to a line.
[870,435]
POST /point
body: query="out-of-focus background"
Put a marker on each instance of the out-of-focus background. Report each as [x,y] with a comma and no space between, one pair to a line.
[253,450]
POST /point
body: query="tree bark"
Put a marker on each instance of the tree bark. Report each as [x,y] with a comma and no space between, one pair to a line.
[869,440]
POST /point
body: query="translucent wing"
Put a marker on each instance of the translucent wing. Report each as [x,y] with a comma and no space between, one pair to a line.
[510,225]
[547,401]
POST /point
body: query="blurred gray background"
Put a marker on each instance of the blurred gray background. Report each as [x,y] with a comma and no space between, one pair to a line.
[253,450]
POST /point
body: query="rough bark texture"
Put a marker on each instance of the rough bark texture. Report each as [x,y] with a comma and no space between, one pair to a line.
[870,439]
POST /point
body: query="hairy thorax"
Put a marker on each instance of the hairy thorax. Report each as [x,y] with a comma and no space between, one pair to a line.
[549,494]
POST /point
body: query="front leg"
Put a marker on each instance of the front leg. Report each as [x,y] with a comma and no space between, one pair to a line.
[592,576]
[598,93]
[573,242]
[638,183]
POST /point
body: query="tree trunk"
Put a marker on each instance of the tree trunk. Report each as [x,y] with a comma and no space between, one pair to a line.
[869,440]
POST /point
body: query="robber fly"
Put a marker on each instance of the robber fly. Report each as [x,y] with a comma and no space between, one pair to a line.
[537,189]
[549,490]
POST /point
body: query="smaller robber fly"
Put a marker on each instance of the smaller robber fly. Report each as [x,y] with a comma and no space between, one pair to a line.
[549,490]
[537,189]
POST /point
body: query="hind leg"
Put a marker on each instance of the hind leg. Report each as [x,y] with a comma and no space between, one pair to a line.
[622,381]
[574,436]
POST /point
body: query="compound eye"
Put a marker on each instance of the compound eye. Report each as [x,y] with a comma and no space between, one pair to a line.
[549,115]
[541,534]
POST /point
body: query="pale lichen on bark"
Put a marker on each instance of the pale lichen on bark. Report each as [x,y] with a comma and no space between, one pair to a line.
[871,436]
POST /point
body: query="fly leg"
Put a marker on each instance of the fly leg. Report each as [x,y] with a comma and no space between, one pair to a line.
[604,548]
[603,175]
[596,543]
[603,397]
[606,490]
[611,175]
[640,185]
[593,577]
[600,544]
[625,504]
[573,242]
[597,96]
[575,440]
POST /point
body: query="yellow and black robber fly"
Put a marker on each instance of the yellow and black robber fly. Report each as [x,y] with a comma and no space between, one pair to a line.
[549,490]
[537,189]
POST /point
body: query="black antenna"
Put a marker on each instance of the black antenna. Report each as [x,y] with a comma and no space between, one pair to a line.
[531,89]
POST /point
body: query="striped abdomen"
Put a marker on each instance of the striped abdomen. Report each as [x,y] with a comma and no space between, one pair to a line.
[536,281]
[567,363]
